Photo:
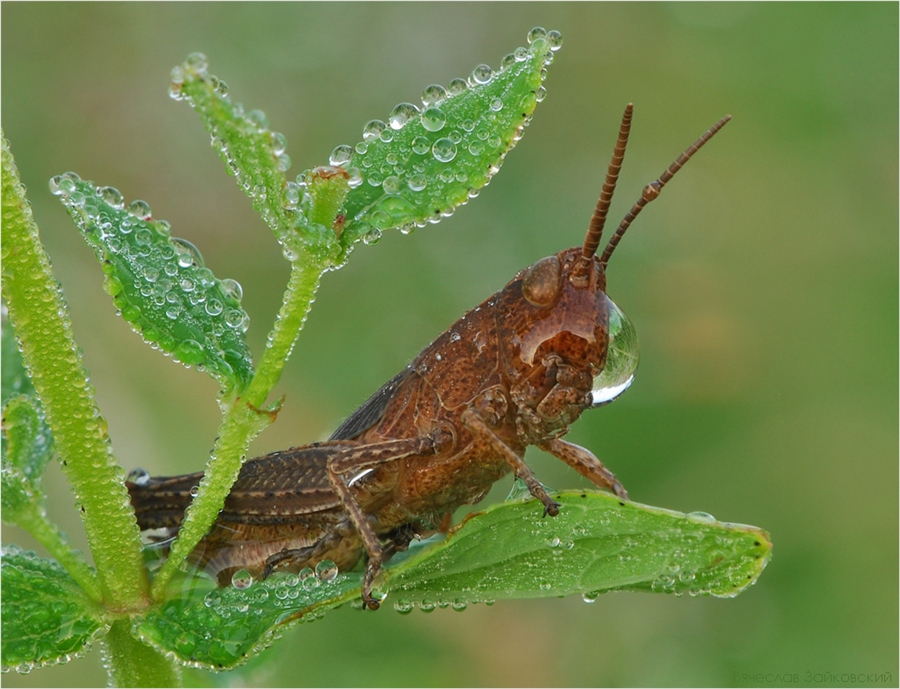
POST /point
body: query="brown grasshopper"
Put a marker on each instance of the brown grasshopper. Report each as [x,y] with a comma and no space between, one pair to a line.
[515,371]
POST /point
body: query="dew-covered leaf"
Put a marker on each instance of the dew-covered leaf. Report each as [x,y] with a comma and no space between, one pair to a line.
[159,283]
[27,443]
[427,159]
[255,156]
[27,448]
[596,544]
[15,379]
[220,628]
[46,617]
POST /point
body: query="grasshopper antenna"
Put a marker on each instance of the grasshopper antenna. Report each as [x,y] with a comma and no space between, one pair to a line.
[652,190]
[598,219]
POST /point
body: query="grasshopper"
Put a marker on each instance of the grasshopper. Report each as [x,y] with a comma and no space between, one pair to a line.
[514,371]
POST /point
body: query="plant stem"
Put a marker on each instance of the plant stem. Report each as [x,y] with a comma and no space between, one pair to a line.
[41,321]
[132,663]
[244,420]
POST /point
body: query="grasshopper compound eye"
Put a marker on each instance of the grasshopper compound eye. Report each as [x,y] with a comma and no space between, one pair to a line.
[541,282]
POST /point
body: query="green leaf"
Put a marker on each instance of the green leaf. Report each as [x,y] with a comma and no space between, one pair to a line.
[15,379]
[159,283]
[46,616]
[27,441]
[256,157]
[17,495]
[424,162]
[596,544]
[220,628]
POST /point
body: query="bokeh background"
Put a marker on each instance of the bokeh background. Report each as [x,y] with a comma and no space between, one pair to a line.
[763,285]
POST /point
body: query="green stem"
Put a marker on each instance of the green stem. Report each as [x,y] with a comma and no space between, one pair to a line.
[132,663]
[244,420]
[45,532]
[41,321]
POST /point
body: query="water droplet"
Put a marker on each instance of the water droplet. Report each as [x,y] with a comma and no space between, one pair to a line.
[433,119]
[190,352]
[195,491]
[404,606]
[621,359]
[457,86]
[372,130]
[291,195]
[421,145]
[535,33]
[664,583]
[380,220]
[459,604]
[233,318]
[131,313]
[197,62]
[433,94]
[496,104]
[279,143]
[326,570]
[444,150]
[139,209]
[111,196]
[355,177]
[242,579]
[417,182]
[307,578]
[258,118]
[426,605]
[391,185]
[540,94]
[341,155]
[213,307]
[482,74]
[401,114]
[702,517]
[590,596]
[233,289]
[373,236]
[554,40]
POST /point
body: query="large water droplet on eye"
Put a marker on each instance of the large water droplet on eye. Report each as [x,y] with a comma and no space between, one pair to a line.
[621,358]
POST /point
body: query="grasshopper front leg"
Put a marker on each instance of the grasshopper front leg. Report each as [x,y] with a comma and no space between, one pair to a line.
[585,463]
[482,431]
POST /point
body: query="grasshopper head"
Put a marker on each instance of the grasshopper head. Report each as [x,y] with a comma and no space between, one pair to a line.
[568,335]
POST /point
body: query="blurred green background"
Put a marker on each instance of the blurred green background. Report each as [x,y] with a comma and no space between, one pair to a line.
[763,285]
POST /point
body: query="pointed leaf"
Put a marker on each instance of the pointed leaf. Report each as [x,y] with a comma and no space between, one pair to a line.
[15,378]
[27,441]
[425,161]
[46,616]
[159,283]
[597,543]
[256,157]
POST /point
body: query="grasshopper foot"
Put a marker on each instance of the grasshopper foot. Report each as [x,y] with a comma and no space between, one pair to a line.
[551,508]
[373,569]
